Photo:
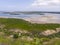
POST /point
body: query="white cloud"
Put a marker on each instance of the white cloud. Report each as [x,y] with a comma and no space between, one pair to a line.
[46,3]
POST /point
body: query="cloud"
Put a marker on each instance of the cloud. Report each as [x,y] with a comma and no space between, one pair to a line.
[46,3]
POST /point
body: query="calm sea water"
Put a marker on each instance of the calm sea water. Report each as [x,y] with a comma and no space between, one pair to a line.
[28,15]
[17,16]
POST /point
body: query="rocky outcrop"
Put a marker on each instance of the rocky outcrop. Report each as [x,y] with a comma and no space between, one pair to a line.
[57,30]
[50,32]
[2,26]
[18,30]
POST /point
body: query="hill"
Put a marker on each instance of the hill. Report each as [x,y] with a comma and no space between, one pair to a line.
[21,32]
[22,24]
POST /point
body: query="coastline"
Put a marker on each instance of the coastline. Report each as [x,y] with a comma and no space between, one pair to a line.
[39,19]
[35,20]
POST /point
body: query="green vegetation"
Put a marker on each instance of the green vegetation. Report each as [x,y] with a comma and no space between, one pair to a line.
[21,32]
[54,42]
[22,24]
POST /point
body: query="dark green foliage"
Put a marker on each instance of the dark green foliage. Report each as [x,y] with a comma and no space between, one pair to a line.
[15,36]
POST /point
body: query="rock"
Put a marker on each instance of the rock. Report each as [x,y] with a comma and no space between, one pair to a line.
[19,30]
[27,38]
[2,26]
[48,32]
[2,33]
[11,36]
[57,29]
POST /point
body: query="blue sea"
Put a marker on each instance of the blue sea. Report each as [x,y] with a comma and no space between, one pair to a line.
[47,16]
[18,16]
[27,15]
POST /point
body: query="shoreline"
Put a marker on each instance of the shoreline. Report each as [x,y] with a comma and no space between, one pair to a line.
[31,20]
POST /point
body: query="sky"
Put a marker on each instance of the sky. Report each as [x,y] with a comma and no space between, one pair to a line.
[29,5]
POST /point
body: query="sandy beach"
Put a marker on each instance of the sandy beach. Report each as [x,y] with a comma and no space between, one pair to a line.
[48,18]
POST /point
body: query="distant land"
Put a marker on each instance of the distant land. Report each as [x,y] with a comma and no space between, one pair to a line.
[28,12]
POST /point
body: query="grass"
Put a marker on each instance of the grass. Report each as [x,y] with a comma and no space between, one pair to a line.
[54,42]
[11,23]
[22,24]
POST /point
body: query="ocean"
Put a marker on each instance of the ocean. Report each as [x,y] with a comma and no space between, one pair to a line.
[47,17]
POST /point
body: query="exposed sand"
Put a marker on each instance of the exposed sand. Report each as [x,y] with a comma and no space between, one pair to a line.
[39,19]
[43,19]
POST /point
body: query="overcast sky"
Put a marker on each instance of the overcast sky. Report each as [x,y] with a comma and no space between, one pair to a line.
[29,5]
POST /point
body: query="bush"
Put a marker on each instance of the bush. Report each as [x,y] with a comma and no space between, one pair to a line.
[15,36]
